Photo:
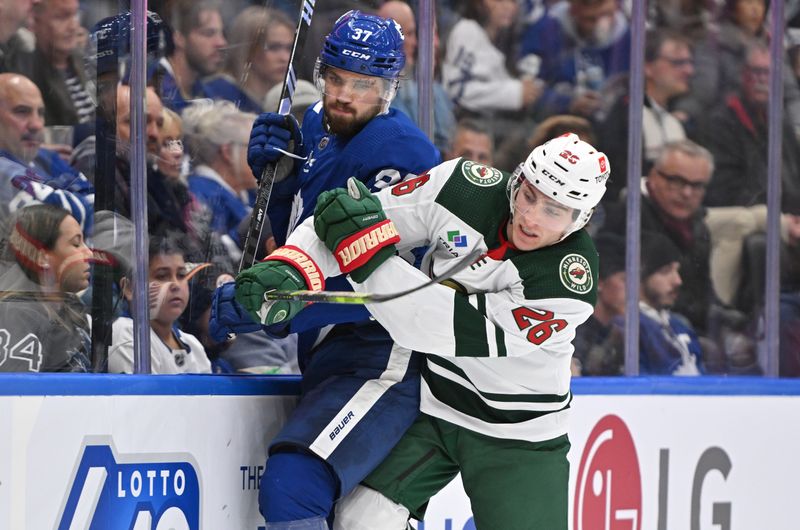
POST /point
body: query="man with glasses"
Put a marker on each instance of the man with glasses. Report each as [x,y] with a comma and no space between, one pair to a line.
[360,390]
[737,135]
[672,198]
[668,70]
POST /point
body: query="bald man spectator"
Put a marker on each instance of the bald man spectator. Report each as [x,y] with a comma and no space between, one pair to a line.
[197,47]
[407,99]
[13,15]
[28,173]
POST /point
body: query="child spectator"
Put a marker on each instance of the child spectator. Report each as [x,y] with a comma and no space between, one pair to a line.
[171,350]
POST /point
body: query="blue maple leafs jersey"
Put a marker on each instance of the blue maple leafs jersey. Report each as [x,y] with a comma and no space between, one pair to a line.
[385,151]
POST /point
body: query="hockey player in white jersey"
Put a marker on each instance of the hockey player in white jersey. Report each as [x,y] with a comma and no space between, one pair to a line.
[496,388]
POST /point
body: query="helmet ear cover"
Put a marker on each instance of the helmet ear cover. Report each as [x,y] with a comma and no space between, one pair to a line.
[569,171]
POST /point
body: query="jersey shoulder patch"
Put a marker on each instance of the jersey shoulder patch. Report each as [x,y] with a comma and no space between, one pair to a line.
[565,270]
[480,175]
[475,204]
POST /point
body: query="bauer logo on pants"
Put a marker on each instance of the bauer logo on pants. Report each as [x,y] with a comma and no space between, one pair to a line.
[608,490]
[145,492]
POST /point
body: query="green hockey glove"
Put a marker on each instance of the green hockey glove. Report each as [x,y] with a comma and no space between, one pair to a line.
[286,269]
[355,229]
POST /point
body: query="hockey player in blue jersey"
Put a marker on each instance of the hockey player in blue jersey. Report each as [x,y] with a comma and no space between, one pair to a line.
[360,391]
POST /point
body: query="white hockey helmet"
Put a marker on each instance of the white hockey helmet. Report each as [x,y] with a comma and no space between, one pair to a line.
[567,170]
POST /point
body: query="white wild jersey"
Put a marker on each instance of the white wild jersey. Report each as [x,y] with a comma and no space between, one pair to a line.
[499,334]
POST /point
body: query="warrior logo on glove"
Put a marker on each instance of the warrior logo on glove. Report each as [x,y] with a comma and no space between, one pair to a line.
[352,224]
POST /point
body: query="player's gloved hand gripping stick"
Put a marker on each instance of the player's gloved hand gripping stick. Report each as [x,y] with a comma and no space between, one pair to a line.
[344,219]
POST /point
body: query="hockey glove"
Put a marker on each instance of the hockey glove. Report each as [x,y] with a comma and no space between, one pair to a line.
[274,138]
[355,229]
[228,317]
[286,269]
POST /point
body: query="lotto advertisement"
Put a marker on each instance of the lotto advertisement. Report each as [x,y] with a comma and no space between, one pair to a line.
[159,462]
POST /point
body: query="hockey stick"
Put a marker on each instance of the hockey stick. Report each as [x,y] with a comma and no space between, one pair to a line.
[348,297]
[258,216]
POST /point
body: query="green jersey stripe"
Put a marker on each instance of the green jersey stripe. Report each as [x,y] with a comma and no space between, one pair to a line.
[500,337]
[466,402]
[469,328]
[492,396]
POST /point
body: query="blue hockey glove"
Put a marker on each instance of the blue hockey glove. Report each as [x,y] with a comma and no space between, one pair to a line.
[274,137]
[228,317]
[352,224]
[286,269]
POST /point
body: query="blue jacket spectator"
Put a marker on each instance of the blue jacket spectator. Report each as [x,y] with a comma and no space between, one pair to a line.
[579,46]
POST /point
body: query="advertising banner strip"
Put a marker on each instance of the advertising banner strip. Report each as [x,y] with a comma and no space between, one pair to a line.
[148,385]
[289,385]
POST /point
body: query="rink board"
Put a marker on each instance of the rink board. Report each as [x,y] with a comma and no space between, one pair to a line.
[158,452]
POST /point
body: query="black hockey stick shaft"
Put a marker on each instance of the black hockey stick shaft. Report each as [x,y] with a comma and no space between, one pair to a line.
[259,214]
[349,297]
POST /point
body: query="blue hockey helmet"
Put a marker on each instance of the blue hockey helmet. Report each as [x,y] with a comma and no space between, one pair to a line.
[109,47]
[365,44]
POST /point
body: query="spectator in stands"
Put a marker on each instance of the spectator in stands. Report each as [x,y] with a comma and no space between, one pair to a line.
[57,63]
[476,70]
[407,99]
[260,48]
[579,47]
[737,136]
[13,15]
[672,196]
[170,154]
[171,350]
[600,342]
[29,173]
[217,135]
[167,202]
[668,345]
[46,264]
[196,51]
[473,141]
[522,141]
[667,72]
[721,56]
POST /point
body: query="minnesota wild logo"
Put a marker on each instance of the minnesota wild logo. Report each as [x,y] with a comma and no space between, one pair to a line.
[481,175]
[575,274]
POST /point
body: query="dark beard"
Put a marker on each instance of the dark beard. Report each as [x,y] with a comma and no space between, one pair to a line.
[346,127]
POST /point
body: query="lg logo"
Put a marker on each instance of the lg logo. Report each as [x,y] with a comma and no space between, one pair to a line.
[608,494]
[609,486]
